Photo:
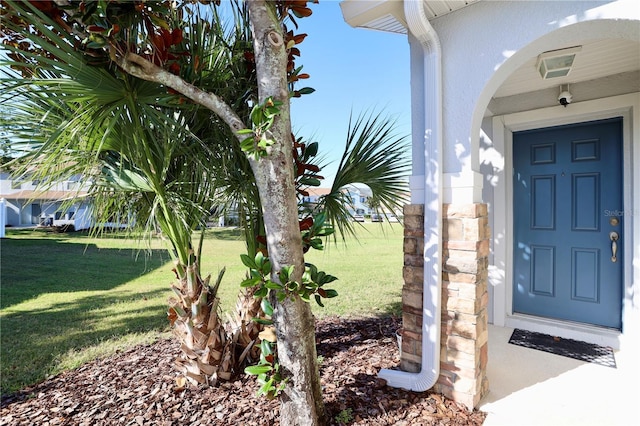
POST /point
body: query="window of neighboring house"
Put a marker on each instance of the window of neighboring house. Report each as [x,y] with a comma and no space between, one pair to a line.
[35,182]
[16,184]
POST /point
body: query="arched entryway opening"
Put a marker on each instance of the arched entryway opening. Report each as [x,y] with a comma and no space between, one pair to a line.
[604,86]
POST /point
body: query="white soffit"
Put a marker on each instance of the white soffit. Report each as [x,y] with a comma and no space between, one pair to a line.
[436,9]
[388,15]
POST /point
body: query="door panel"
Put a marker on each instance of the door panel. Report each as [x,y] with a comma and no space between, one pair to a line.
[566,179]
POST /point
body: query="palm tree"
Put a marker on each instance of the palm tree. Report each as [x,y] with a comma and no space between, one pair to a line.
[168,164]
[140,149]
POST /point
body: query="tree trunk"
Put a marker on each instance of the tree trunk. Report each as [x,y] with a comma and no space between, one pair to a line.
[301,403]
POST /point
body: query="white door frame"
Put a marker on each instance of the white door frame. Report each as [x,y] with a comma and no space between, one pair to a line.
[501,274]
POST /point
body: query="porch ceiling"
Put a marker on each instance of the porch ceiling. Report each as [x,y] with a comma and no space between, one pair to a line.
[597,59]
[602,68]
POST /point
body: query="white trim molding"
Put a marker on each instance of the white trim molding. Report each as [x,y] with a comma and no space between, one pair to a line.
[462,188]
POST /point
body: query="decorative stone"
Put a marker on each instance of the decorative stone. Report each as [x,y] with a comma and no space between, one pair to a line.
[464,335]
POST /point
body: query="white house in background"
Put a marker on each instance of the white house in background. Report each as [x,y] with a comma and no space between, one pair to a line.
[525,122]
[358,197]
[28,205]
[314,194]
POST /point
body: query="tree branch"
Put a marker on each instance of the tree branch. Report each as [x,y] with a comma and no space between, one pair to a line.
[144,69]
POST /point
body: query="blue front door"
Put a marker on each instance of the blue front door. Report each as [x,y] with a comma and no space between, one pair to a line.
[568,222]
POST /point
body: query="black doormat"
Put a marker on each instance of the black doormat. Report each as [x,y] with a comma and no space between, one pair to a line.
[575,349]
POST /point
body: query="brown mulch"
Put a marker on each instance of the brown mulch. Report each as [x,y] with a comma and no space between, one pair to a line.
[136,387]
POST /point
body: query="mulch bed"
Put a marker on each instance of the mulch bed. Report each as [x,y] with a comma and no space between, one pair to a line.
[136,387]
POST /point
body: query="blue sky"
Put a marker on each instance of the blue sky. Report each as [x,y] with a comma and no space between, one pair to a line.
[353,70]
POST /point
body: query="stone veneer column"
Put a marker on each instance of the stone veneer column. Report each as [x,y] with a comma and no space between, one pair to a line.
[413,274]
[464,335]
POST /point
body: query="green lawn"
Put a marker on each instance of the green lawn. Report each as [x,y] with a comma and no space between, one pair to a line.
[68,298]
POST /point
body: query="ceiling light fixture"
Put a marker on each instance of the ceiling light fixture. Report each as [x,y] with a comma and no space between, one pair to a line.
[556,63]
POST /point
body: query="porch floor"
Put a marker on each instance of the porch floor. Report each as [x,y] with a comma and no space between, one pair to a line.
[530,387]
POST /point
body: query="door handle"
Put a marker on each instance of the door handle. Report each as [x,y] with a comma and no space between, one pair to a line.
[613,236]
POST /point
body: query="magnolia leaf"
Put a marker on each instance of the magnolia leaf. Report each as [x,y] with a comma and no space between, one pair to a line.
[273,285]
[262,320]
[254,370]
[306,91]
[267,388]
[265,350]
[251,282]
[301,11]
[326,278]
[331,293]
[327,231]
[310,181]
[266,307]
[316,243]
[247,145]
[261,292]
[248,261]
[266,268]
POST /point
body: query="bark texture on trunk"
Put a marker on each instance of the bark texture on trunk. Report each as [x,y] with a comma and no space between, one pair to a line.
[295,328]
[302,402]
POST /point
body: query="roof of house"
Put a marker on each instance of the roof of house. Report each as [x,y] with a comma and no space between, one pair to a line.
[43,195]
[317,192]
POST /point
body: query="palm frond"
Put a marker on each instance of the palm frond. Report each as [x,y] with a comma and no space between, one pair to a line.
[375,156]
